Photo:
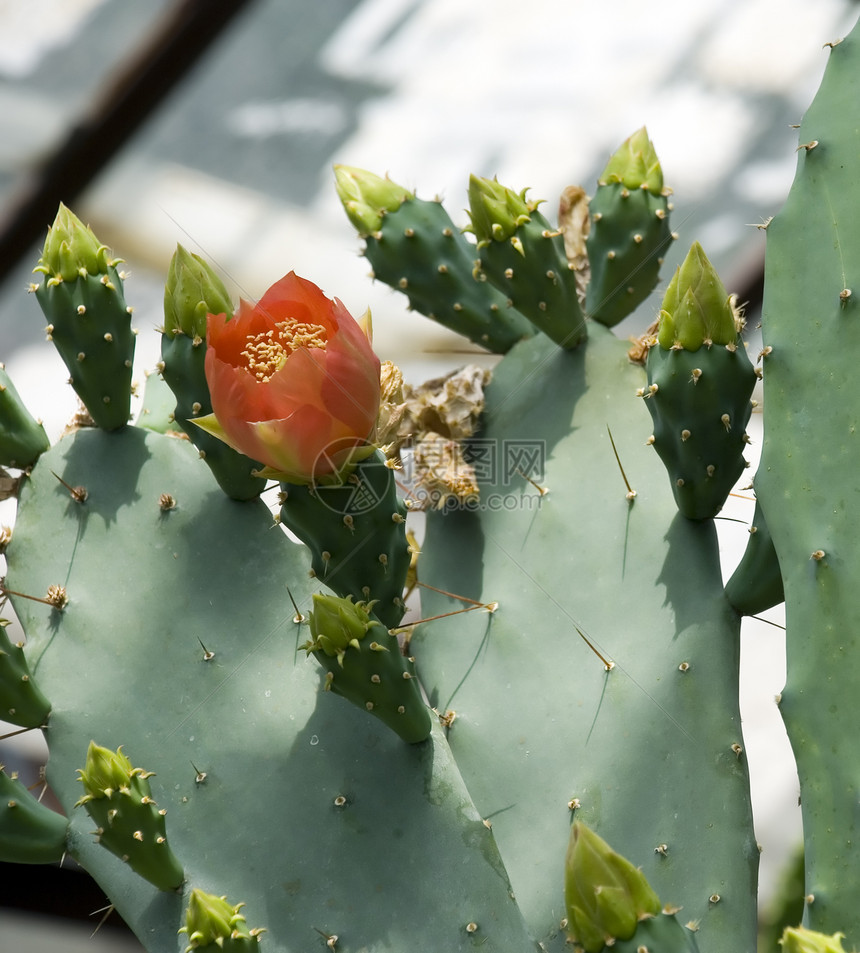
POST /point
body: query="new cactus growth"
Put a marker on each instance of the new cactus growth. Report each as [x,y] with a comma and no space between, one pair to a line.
[30,832]
[700,384]
[605,895]
[212,921]
[629,233]
[191,293]
[119,799]
[414,246]
[524,257]
[22,439]
[801,940]
[23,703]
[599,701]
[363,663]
[81,295]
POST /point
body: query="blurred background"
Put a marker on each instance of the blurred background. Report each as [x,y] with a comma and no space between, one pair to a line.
[216,124]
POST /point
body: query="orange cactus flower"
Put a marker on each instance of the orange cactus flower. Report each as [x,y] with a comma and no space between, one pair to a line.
[294,382]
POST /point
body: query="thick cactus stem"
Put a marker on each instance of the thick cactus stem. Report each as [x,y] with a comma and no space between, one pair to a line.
[213,921]
[22,438]
[806,482]
[364,664]
[524,258]
[30,833]
[118,798]
[415,248]
[81,295]
[193,291]
[356,532]
[21,702]
[629,232]
[605,895]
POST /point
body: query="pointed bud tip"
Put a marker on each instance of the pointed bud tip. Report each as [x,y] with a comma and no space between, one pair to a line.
[635,165]
[696,307]
[71,249]
[366,197]
[605,894]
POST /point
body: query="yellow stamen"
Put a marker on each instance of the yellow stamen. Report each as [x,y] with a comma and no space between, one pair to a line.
[267,352]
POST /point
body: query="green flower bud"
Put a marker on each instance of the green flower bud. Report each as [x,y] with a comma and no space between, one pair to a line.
[367,197]
[605,895]
[106,771]
[210,919]
[635,165]
[696,309]
[337,623]
[192,291]
[71,249]
[496,211]
[801,940]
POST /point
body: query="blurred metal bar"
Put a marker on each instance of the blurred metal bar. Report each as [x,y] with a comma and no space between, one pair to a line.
[130,95]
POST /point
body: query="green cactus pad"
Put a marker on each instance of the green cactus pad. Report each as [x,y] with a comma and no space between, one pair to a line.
[661,934]
[21,702]
[22,439]
[418,250]
[807,478]
[30,832]
[356,533]
[364,664]
[700,405]
[756,584]
[649,754]
[81,295]
[316,815]
[524,258]
[629,234]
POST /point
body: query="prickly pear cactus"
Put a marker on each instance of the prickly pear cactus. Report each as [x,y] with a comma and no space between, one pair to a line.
[275,794]
[588,694]
[807,477]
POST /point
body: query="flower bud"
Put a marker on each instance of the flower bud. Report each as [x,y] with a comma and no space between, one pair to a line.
[801,940]
[696,309]
[106,771]
[496,211]
[337,623]
[635,165]
[70,247]
[210,919]
[605,895]
[192,291]
[367,197]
